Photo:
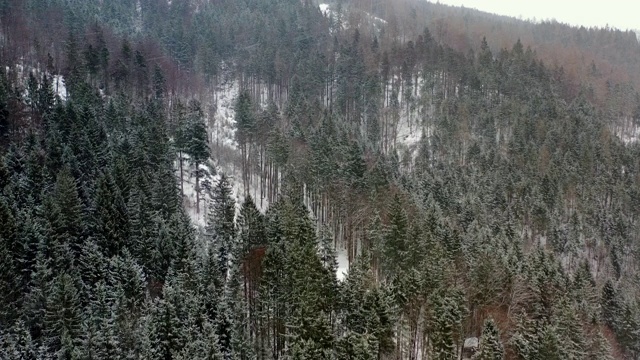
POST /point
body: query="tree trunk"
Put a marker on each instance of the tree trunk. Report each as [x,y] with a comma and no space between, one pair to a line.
[197,188]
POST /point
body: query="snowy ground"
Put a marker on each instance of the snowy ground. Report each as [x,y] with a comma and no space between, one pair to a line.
[343,264]
[226,153]
[224,122]
[411,125]
[59,87]
[23,72]
[324,9]
[226,156]
[629,137]
[327,11]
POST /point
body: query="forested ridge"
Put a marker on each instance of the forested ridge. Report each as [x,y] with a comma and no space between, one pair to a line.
[475,189]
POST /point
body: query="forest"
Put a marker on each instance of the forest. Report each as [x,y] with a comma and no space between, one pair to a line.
[294,179]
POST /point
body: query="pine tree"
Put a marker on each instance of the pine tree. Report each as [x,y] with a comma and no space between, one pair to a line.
[251,227]
[448,315]
[168,329]
[245,134]
[365,314]
[490,346]
[356,346]
[273,284]
[220,229]
[570,330]
[99,329]
[66,217]
[611,306]
[525,341]
[62,320]
[180,138]
[182,243]
[196,144]
[550,346]
[9,268]
[110,219]
[159,83]
[35,301]
[92,264]
[129,281]
[19,344]
[223,324]
[356,167]
[141,241]
[328,251]
[395,249]
[250,247]
[599,347]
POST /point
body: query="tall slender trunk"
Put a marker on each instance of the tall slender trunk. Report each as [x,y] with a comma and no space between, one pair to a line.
[197,188]
[181,175]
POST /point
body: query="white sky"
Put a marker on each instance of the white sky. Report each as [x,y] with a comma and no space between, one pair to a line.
[621,14]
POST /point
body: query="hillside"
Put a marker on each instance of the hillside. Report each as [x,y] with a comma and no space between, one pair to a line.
[285,179]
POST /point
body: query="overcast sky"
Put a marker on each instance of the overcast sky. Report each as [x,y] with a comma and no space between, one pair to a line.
[622,14]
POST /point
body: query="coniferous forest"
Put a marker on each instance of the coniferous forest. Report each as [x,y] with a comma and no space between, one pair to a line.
[293,179]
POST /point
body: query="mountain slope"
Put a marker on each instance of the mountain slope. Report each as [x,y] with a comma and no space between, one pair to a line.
[187,198]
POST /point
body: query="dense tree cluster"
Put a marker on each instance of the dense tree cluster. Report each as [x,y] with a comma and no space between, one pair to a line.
[513,217]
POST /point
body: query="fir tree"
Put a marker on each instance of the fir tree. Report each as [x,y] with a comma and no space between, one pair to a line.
[110,217]
[490,346]
[62,320]
[19,344]
[197,144]
[66,217]
[221,230]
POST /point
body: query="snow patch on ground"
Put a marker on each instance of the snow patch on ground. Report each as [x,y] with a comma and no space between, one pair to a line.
[225,156]
[59,87]
[324,9]
[343,264]
[189,200]
[411,124]
[224,121]
[629,136]
[223,142]
[57,81]
[408,134]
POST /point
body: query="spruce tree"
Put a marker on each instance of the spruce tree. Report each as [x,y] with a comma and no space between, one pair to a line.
[490,345]
[220,229]
[196,144]
[66,217]
[110,221]
[599,347]
[18,344]
[395,248]
[62,320]
[9,268]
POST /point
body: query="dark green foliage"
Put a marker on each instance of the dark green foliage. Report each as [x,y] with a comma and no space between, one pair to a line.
[245,119]
[395,246]
[367,315]
[518,202]
[196,134]
[491,347]
[66,218]
[221,229]
[62,319]
[110,217]
[8,263]
[251,227]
